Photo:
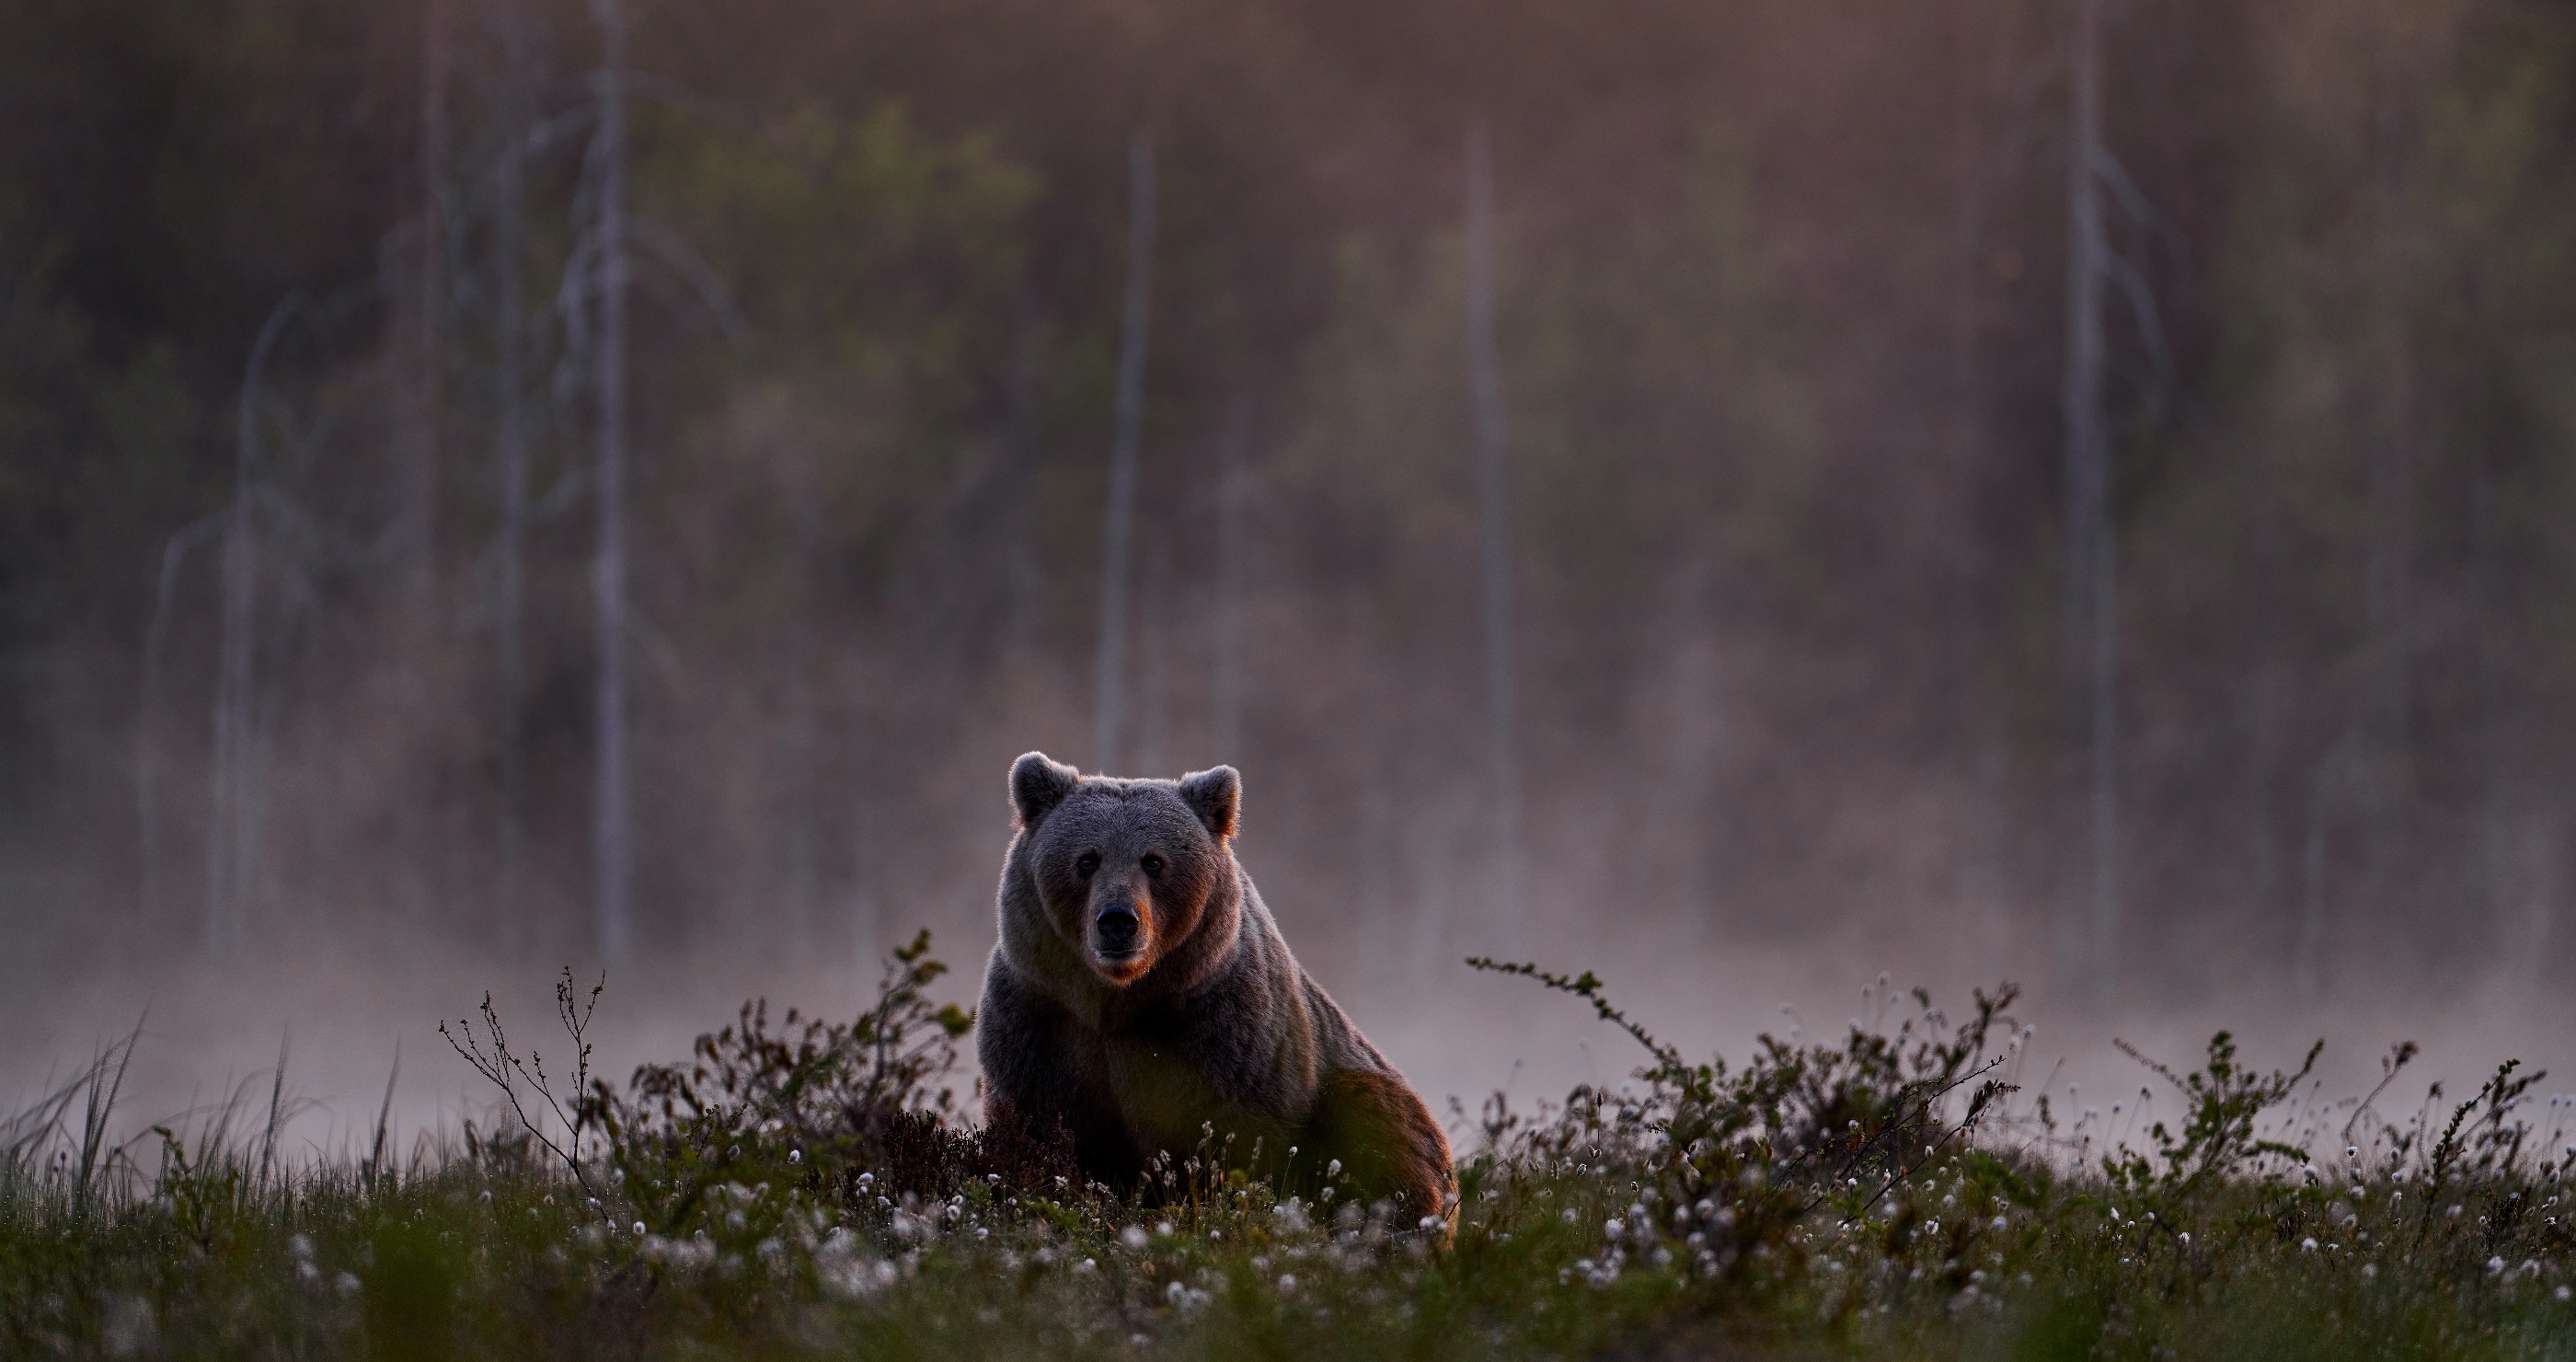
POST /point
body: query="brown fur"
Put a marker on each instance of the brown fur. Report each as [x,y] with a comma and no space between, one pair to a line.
[1207,1020]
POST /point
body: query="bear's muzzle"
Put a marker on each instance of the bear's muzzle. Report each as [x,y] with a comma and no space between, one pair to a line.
[1114,929]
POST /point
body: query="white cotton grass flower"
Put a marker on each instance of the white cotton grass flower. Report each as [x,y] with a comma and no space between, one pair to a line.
[1133,1237]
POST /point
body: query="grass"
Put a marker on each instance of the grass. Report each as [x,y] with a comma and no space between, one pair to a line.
[801,1188]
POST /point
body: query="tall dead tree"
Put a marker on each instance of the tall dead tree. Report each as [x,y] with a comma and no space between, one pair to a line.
[1110,685]
[2392,457]
[1019,555]
[234,799]
[611,850]
[1233,558]
[801,775]
[420,472]
[510,453]
[1485,384]
[2091,634]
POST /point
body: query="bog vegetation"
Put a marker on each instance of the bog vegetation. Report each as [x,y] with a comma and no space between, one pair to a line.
[799,1187]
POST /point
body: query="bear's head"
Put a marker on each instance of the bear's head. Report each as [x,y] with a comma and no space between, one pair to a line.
[1125,869]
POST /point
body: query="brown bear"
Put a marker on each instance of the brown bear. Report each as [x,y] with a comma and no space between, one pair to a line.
[1141,991]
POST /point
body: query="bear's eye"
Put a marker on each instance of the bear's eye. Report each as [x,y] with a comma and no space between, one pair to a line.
[1085,863]
[1153,864]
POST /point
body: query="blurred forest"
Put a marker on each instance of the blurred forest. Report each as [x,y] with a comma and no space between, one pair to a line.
[607,478]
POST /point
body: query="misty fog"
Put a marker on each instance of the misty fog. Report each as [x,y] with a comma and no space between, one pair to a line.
[1740,499]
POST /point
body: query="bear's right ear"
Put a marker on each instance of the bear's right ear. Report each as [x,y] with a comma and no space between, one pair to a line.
[1038,784]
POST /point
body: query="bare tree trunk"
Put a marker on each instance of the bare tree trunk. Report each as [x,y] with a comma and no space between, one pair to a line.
[1485,381]
[2335,772]
[611,852]
[1233,568]
[2091,634]
[1125,452]
[867,842]
[232,717]
[801,776]
[1020,557]
[230,839]
[420,483]
[1155,594]
[2262,837]
[2392,482]
[510,442]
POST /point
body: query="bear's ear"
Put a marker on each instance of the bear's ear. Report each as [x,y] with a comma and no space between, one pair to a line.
[1038,784]
[1216,796]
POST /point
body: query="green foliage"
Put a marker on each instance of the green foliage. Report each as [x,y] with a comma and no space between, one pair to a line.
[772,1197]
[2218,1141]
[810,1104]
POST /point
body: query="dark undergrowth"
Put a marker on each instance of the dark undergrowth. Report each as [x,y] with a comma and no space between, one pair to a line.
[801,1188]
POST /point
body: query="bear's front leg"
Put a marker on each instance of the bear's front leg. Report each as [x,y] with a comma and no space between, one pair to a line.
[1042,1070]
[1388,1145]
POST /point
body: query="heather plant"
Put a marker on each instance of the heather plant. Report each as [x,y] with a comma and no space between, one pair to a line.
[807,1187]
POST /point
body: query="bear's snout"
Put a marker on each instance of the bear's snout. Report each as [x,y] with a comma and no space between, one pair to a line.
[1115,928]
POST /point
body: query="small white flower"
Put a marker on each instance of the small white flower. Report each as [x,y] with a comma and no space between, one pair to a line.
[2495,1265]
[796,1156]
[1287,1281]
[1087,1265]
[1614,1229]
[1163,1227]
[346,1283]
[639,1225]
[1331,1170]
[1133,1236]
[2308,1245]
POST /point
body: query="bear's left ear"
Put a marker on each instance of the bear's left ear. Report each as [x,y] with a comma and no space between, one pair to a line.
[1216,796]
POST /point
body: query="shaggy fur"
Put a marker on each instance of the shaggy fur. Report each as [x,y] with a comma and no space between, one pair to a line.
[1141,989]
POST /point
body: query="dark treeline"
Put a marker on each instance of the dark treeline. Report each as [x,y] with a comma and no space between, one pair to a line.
[335,341]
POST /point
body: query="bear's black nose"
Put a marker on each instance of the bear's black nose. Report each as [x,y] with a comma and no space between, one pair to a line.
[1117,926]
